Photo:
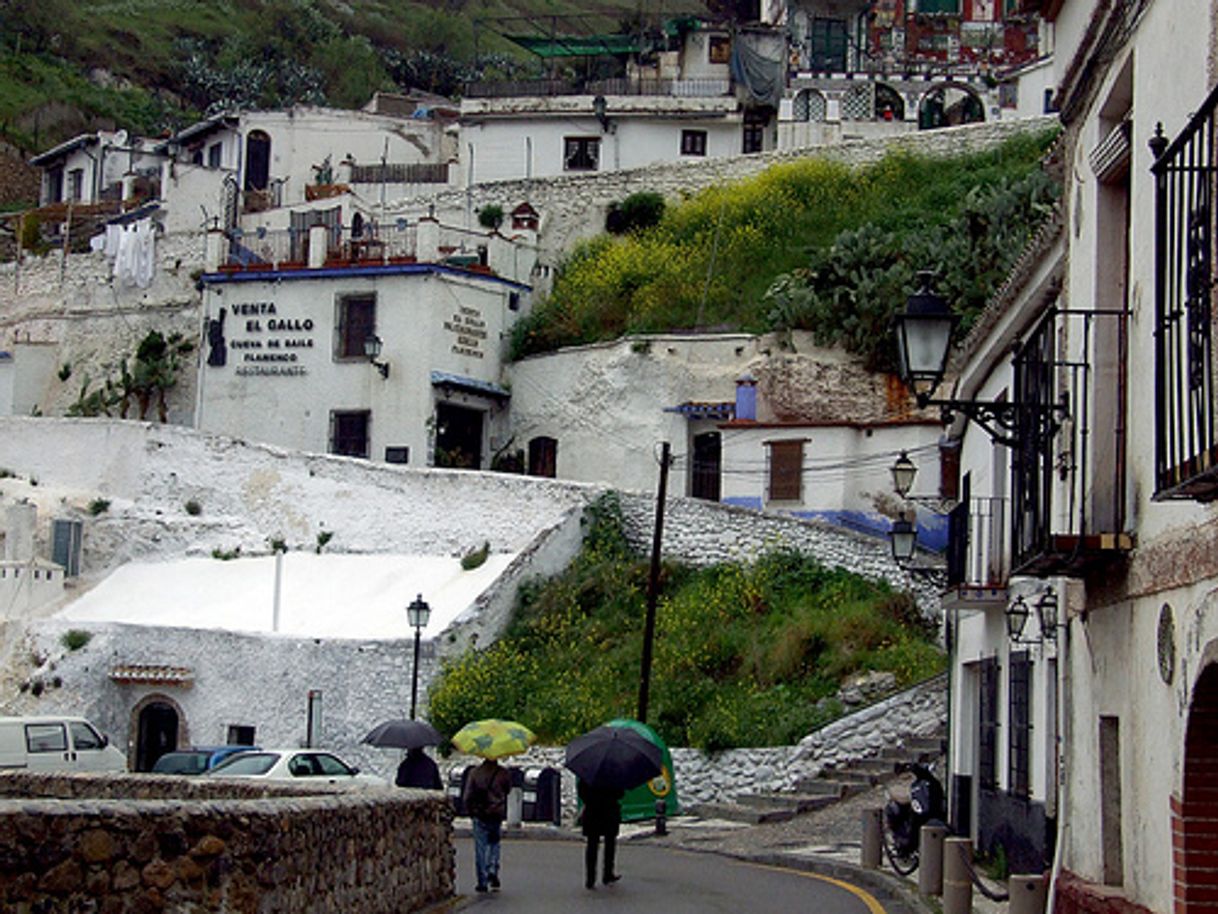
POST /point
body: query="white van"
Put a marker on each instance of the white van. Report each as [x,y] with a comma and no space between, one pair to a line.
[54,743]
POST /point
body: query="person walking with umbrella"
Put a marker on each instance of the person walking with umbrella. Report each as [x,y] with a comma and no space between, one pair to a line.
[417,768]
[487,787]
[602,815]
[608,761]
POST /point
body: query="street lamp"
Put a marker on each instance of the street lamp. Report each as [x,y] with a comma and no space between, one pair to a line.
[1017,619]
[924,335]
[904,539]
[903,473]
[372,349]
[417,613]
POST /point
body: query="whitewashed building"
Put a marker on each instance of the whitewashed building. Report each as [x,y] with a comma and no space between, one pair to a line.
[96,167]
[242,169]
[1084,631]
[392,351]
[689,104]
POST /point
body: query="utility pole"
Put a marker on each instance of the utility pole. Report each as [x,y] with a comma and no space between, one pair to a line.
[653,584]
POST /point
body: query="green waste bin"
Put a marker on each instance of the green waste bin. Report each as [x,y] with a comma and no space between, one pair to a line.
[640,803]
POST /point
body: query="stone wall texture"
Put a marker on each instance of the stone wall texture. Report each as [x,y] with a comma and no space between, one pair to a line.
[118,843]
[714,777]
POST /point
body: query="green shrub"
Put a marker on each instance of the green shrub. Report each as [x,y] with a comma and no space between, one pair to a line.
[490,216]
[639,211]
[75,638]
[99,506]
[476,557]
[323,537]
[193,508]
[226,555]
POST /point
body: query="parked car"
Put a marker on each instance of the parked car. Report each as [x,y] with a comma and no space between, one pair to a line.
[56,743]
[297,765]
[196,760]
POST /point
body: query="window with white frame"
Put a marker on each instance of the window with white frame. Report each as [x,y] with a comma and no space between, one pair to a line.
[581,153]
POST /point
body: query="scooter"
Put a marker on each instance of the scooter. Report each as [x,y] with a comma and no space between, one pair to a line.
[904,815]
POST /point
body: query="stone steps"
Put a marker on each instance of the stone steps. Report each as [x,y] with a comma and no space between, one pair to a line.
[829,787]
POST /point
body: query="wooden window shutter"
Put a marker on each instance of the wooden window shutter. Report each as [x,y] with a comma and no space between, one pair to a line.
[786,470]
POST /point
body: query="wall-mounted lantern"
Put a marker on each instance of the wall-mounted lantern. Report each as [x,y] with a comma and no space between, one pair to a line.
[372,349]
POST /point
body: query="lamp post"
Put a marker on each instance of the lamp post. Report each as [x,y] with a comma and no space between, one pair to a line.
[417,613]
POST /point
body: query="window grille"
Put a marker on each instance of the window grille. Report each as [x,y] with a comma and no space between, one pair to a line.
[356,322]
[349,433]
[581,153]
[987,730]
[1020,715]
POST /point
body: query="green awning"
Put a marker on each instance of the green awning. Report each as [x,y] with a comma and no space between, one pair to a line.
[578,45]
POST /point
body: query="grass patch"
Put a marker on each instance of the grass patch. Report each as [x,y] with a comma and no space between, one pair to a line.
[744,654]
[854,236]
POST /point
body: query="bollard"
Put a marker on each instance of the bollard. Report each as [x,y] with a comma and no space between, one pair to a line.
[957,883]
[873,825]
[661,817]
[930,859]
[1028,894]
[515,807]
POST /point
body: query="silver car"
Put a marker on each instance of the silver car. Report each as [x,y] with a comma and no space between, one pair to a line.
[295,765]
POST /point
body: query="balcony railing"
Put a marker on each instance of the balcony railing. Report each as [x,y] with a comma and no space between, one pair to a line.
[1186,451]
[279,249]
[545,88]
[978,554]
[1068,462]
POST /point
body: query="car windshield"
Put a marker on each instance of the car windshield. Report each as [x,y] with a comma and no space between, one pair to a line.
[246,763]
[181,763]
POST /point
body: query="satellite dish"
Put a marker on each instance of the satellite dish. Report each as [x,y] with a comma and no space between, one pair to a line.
[120,138]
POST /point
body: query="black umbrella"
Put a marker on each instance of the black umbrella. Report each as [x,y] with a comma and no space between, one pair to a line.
[616,758]
[403,734]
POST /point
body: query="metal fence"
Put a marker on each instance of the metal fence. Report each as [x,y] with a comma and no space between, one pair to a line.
[1186,452]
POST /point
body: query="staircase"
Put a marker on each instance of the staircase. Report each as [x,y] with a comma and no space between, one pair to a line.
[830,786]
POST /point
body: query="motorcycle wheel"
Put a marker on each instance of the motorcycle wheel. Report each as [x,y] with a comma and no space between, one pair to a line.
[903,864]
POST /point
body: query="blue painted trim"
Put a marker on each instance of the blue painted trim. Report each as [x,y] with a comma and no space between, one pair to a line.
[383,269]
[472,385]
[745,501]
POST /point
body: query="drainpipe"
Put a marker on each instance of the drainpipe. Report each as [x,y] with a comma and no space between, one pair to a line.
[1063,733]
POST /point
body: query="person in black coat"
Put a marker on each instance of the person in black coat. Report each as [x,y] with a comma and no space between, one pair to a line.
[418,770]
[602,815]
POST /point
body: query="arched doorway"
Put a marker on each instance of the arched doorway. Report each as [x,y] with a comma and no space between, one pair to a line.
[950,105]
[889,105]
[156,733]
[257,160]
[1193,814]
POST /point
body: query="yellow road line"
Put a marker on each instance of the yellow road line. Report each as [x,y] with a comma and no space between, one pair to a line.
[873,904]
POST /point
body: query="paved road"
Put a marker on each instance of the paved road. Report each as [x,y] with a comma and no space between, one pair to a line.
[542,876]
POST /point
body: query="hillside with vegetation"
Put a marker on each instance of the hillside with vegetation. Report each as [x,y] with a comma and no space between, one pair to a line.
[745,654]
[71,66]
[810,245]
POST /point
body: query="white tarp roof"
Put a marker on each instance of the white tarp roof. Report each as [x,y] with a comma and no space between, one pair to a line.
[330,596]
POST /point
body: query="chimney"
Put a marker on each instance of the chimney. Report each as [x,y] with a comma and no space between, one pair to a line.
[746,398]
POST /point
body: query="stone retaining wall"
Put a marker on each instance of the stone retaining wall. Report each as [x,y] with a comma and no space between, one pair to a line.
[714,777]
[117,843]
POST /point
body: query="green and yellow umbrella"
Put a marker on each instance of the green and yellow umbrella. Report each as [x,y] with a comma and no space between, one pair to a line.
[493,738]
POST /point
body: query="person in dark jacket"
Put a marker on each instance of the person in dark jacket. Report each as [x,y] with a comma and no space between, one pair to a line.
[418,770]
[602,814]
[485,797]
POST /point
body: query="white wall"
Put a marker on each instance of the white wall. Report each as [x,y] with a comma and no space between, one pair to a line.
[531,143]
[427,322]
